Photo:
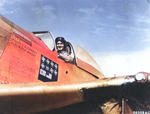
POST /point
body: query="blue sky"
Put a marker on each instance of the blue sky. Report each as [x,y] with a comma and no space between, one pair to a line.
[115,32]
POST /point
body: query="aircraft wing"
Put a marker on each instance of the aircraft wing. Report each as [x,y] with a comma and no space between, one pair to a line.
[38,97]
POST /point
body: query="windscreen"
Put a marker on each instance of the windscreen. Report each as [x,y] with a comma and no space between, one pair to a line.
[47,38]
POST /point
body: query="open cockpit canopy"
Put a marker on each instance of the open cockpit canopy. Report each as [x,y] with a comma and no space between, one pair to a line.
[47,38]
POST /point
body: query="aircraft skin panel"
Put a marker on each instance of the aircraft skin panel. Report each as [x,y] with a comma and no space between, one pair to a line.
[29,98]
[71,73]
[21,66]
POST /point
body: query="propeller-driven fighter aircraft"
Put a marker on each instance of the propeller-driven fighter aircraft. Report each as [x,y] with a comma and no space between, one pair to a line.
[33,79]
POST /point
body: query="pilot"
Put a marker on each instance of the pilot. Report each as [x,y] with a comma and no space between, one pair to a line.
[63,49]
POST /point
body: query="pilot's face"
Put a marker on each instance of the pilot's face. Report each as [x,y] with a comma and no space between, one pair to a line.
[60,45]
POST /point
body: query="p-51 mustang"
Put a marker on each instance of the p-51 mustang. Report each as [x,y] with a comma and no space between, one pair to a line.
[33,78]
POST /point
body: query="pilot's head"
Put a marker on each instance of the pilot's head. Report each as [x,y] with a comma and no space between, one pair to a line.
[60,43]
